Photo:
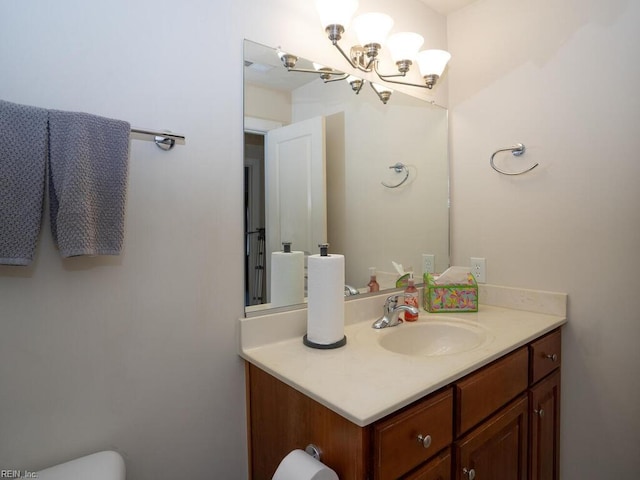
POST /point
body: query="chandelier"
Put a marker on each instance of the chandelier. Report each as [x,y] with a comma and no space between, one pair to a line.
[372,31]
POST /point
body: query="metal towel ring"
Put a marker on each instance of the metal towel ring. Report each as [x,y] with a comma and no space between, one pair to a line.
[398,167]
[517,150]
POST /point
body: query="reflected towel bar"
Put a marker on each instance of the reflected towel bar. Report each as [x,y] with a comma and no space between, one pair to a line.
[399,168]
[164,140]
[517,150]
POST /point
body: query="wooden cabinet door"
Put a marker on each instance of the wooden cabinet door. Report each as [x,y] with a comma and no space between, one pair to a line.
[282,419]
[438,468]
[544,405]
[497,449]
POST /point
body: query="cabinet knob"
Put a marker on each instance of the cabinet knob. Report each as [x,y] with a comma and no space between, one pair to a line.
[424,440]
[470,474]
[551,356]
[539,412]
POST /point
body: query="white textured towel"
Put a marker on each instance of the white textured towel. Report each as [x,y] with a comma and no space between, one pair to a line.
[23,154]
[88,167]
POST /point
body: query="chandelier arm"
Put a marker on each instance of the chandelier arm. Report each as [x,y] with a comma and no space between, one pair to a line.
[384,97]
[343,77]
[386,79]
[407,83]
[319,72]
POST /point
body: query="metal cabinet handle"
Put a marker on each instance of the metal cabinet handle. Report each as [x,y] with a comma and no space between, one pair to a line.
[551,356]
[539,412]
[424,440]
[470,474]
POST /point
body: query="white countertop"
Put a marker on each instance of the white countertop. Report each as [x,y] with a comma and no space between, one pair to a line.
[364,382]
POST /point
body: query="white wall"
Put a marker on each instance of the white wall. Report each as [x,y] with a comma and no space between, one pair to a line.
[562,78]
[138,353]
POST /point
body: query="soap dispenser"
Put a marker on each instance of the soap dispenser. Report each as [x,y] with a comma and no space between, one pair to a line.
[411,299]
[373,283]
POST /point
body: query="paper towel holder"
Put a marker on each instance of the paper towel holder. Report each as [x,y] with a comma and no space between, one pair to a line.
[314,451]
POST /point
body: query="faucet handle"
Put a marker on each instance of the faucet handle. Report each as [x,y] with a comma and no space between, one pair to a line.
[392,301]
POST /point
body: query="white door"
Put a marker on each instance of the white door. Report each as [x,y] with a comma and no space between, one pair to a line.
[295,196]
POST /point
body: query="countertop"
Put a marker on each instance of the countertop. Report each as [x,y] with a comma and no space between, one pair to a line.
[363,381]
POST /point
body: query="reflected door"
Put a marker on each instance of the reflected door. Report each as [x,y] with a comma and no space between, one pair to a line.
[295,196]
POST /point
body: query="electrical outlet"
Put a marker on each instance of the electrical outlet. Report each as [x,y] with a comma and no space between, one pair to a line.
[428,263]
[479,269]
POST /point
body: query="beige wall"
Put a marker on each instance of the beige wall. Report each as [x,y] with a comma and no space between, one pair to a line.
[267,104]
[562,78]
[138,353]
[370,224]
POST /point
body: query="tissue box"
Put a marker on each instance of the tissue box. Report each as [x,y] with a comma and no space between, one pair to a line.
[460,297]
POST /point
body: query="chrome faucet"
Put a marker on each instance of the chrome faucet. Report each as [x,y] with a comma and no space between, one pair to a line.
[349,291]
[391,312]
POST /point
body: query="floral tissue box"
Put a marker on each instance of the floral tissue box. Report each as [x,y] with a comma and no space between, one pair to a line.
[458,297]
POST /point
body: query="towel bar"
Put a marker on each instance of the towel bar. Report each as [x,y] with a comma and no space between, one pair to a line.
[164,140]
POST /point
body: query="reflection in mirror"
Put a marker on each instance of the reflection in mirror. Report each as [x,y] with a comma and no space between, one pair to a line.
[321,165]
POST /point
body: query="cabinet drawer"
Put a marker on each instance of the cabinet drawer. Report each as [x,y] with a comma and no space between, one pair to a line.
[438,468]
[545,355]
[482,393]
[397,448]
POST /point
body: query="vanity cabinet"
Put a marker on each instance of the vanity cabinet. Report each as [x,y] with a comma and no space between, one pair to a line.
[499,422]
[544,408]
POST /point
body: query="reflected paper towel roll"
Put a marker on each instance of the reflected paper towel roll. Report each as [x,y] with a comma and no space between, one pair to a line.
[287,278]
[325,312]
[298,465]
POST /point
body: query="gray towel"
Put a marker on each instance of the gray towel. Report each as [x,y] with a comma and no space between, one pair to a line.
[23,154]
[88,167]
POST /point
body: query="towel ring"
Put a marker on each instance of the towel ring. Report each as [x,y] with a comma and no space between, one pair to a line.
[517,150]
[399,168]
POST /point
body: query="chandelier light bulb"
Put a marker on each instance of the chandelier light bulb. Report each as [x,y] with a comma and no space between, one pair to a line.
[432,62]
[372,28]
[404,45]
[336,12]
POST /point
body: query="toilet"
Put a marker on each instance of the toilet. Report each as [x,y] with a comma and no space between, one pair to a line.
[106,465]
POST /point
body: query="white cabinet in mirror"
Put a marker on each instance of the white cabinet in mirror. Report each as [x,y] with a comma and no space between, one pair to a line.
[315,159]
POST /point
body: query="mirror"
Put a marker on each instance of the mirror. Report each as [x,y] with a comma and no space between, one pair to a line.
[362,139]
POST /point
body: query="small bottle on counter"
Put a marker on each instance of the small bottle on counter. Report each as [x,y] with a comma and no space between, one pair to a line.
[411,298]
[373,283]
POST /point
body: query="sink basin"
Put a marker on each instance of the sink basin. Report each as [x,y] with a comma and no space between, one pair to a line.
[433,338]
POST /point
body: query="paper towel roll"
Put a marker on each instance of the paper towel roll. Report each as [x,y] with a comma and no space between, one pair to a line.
[298,465]
[325,312]
[287,278]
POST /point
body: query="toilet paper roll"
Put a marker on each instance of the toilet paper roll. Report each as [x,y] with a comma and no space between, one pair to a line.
[298,465]
[325,312]
[287,278]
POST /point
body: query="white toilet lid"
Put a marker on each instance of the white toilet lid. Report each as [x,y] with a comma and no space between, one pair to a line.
[105,465]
